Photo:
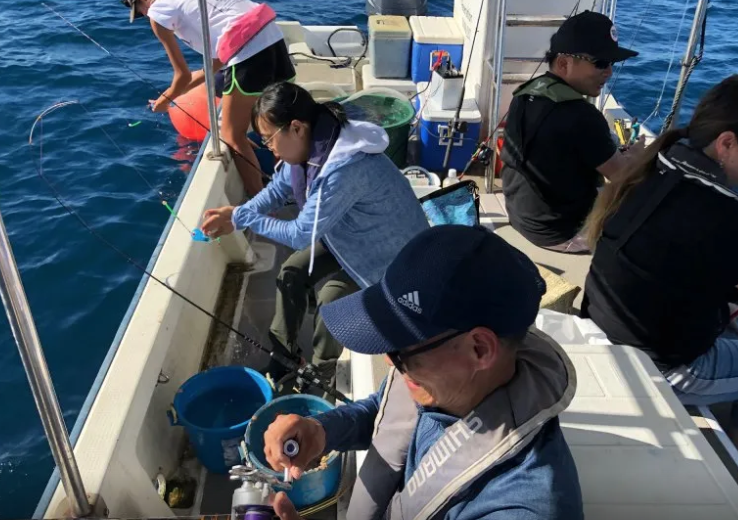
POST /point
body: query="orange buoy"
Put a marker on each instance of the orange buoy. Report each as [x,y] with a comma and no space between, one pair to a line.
[189,114]
[500,143]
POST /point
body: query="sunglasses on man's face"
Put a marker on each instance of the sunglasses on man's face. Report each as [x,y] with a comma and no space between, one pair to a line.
[399,358]
[599,64]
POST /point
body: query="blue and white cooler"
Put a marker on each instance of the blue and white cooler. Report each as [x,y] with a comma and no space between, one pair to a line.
[432,34]
[434,131]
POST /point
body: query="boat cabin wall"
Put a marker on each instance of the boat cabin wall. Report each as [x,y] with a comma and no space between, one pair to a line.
[126,438]
[518,42]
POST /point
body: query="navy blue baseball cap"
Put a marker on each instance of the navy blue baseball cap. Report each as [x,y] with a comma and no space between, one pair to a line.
[590,33]
[446,278]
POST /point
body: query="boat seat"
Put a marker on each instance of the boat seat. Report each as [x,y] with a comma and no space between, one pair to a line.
[301,52]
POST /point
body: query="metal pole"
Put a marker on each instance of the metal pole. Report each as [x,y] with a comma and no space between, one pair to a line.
[608,9]
[499,56]
[613,7]
[31,353]
[209,81]
[694,37]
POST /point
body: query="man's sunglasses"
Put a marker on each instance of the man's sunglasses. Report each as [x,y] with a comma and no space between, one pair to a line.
[599,64]
[399,358]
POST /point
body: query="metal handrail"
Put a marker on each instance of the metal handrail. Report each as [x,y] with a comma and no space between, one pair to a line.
[37,371]
[209,82]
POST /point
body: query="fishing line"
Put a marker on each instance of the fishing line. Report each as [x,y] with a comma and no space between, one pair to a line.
[150,84]
[486,142]
[288,363]
[52,108]
[630,46]
[657,107]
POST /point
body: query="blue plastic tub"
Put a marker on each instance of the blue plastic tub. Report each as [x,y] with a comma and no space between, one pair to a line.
[215,407]
[314,486]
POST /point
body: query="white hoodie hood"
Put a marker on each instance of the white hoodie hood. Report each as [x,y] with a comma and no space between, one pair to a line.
[355,137]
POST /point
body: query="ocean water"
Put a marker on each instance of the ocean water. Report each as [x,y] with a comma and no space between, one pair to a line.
[78,289]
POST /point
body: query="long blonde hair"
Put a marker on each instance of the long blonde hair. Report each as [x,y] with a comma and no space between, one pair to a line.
[717,112]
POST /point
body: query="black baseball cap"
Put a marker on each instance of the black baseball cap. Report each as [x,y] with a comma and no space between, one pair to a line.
[132,5]
[590,33]
[446,278]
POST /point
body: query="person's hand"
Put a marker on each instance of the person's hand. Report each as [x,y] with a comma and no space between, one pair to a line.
[636,149]
[283,507]
[308,433]
[217,222]
[159,105]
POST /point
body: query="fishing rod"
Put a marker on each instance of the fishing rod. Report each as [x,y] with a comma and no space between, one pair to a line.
[306,374]
[154,87]
[483,153]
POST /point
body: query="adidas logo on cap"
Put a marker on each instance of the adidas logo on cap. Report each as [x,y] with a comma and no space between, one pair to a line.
[411,301]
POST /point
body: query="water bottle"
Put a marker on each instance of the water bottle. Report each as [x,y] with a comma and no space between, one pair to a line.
[451,178]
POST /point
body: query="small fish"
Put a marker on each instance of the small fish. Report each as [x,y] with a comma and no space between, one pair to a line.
[131,125]
[199,236]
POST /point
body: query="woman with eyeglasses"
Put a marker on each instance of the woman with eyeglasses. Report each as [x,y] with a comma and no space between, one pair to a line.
[356,209]
[247,47]
[665,267]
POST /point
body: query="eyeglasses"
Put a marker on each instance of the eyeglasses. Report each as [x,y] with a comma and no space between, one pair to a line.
[266,142]
[399,358]
[599,64]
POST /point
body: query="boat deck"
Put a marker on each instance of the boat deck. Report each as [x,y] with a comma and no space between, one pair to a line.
[257,302]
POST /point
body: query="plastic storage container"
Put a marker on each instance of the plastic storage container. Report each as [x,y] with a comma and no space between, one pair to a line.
[215,407]
[434,131]
[311,73]
[389,46]
[430,35]
[406,87]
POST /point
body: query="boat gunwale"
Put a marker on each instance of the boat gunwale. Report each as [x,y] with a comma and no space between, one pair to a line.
[51,486]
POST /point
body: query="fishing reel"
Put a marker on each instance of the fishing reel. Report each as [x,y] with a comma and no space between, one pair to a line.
[306,376]
[251,500]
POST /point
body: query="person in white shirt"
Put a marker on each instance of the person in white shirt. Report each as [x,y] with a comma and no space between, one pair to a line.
[245,42]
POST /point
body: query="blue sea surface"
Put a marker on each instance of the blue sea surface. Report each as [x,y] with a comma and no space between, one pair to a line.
[79,289]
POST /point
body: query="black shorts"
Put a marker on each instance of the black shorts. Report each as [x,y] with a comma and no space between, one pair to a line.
[253,75]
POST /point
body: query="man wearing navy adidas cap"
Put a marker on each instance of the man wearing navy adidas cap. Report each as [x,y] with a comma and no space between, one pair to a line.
[465,427]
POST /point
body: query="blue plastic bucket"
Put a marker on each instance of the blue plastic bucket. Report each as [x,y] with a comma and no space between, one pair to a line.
[314,486]
[263,154]
[215,407]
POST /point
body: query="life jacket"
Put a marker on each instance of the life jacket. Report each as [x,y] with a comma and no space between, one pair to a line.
[680,163]
[243,30]
[499,428]
[521,131]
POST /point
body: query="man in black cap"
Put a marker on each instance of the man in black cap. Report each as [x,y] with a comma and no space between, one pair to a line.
[465,426]
[557,144]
